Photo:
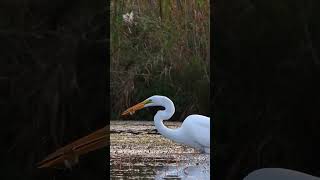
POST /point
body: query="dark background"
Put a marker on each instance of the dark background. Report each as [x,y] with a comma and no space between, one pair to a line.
[266,72]
[54,76]
[265,96]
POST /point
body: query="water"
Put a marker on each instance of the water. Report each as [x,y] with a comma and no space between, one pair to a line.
[139,152]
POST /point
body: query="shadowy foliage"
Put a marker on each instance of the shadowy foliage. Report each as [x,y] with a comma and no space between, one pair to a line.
[53,66]
[266,98]
[164,50]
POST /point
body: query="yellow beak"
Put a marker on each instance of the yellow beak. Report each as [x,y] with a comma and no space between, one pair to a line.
[134,108]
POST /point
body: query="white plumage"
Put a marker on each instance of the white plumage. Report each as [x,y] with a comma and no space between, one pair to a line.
[194,131]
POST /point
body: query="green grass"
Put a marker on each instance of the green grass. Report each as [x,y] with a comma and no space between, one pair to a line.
[165,51]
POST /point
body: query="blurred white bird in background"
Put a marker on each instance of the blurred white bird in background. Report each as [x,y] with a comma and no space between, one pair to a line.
[278,174]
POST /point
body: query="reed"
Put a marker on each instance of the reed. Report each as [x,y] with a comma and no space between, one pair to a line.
[164,50]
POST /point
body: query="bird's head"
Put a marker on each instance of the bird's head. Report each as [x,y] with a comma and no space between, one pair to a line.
[155,100]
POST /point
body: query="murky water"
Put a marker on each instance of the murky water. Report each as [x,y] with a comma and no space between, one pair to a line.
[139,152]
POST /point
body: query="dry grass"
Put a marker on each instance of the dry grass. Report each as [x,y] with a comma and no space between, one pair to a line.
[164,51]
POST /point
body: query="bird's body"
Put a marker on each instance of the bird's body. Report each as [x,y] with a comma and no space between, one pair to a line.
[191,126]
[194,131]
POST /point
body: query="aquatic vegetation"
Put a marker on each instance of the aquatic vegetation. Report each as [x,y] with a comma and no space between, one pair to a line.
[137,150]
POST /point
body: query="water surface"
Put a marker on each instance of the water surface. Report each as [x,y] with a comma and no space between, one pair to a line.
[139,152]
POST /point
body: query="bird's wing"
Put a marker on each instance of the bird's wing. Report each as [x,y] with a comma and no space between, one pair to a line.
[199,128]
[91,142]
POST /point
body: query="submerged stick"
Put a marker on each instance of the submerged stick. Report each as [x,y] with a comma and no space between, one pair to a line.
[70,153]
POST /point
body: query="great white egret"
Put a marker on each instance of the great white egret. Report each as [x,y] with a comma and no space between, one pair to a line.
[194,131]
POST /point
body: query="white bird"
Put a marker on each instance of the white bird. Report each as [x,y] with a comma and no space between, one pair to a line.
[194,131]
[278,174]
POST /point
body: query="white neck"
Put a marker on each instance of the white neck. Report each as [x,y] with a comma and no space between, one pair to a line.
[165,115]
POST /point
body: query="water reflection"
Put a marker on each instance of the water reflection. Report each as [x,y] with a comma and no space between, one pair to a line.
[186,170]
[137,152]
[192,166]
